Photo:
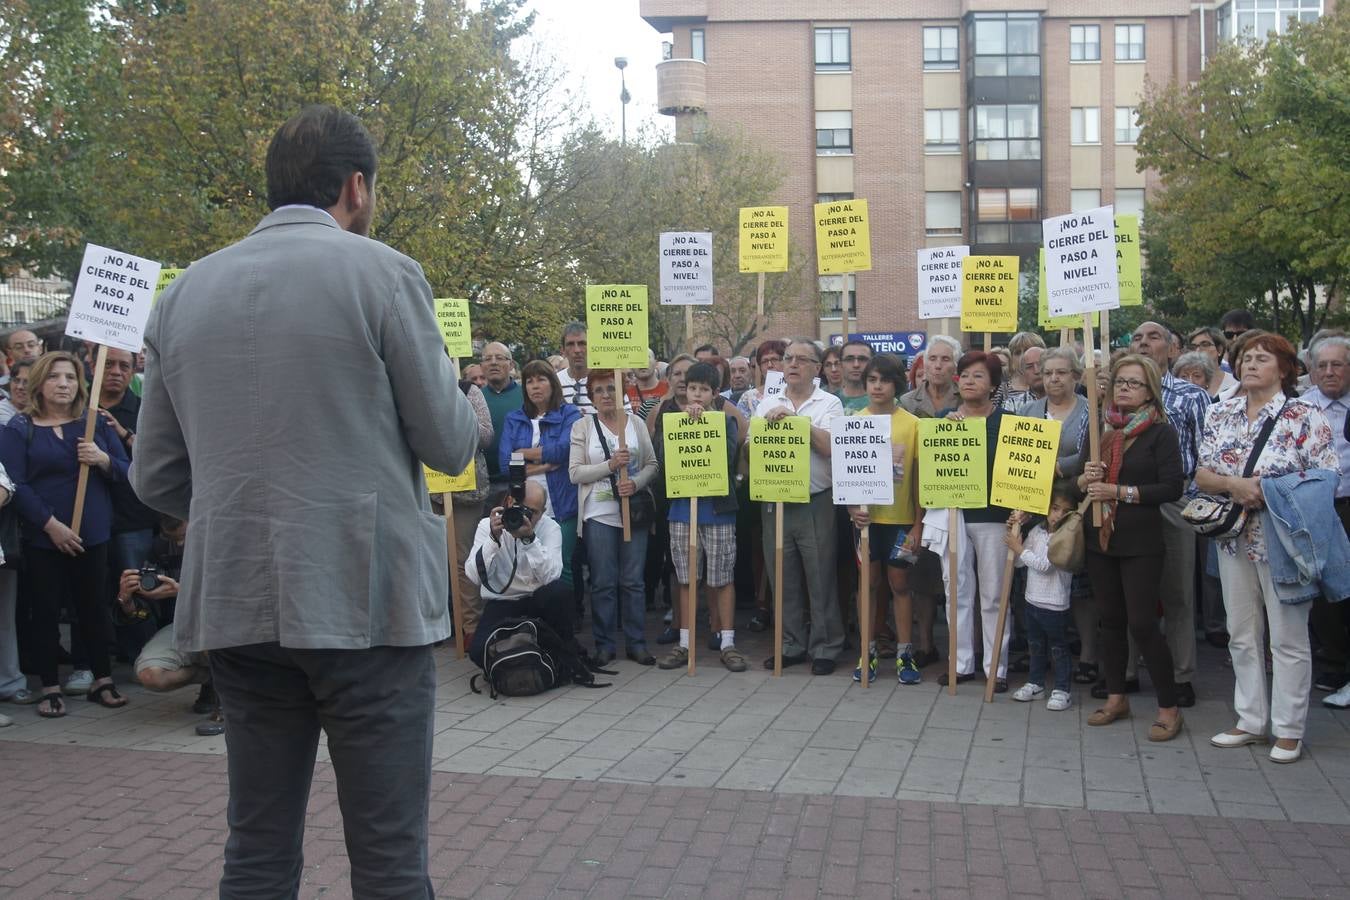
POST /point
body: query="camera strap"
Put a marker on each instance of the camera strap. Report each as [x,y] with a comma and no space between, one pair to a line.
[483,575]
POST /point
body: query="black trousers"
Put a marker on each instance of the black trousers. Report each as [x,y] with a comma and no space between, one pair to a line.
[55,579]
[550,603]
[1127,589]
[376,707]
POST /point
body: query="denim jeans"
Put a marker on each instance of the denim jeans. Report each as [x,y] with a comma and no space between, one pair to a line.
[616,585]
[1047,639]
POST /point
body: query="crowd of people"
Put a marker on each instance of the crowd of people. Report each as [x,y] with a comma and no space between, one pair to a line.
[1181,415]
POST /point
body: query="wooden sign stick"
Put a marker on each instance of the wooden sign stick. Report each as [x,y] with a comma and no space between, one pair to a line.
[865,603]
[843,306]
[691,596]
[952,525]
[90,421]
[1094,421]
[456,598]
[778,590]
[997,650]
[1106,332]
[623,445]
[988,340]
[759,296]
[689,329]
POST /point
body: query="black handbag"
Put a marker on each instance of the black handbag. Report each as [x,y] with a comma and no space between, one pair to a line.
[641,505]
[1223,518]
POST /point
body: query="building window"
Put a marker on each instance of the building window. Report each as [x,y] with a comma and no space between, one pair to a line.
[1130,201]
[830,288]
[1080,200]
[697,49]
[1129,43]
[1085,43]
[1008,215]
[1007,132]
[832,50]
[1006,44]
[834,133]
[939,48]
[942,212]
[1085,125]
[941,130]
[1127,124]
[833,198]
[1260,18]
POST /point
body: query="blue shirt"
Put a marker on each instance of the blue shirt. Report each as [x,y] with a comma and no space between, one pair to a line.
[1186,405]
[46,471]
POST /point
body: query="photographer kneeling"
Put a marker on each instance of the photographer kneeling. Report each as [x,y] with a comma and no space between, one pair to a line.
[149,594]
[517,563]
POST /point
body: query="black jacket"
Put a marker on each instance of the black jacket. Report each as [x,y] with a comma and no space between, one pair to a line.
[1153,466]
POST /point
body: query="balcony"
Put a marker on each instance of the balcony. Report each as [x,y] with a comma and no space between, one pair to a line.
[681,86]
[663,15]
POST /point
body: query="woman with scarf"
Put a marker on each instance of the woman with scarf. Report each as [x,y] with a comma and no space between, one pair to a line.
[1140,469]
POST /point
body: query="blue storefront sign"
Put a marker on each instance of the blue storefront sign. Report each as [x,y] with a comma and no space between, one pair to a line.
[902,343]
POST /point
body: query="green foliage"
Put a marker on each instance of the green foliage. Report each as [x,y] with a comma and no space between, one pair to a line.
[1253,158]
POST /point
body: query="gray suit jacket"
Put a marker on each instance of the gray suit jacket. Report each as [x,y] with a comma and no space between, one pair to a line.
[293,382]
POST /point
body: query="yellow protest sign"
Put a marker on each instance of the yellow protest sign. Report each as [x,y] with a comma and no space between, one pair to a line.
[764,239]
[952,464]
[1024,463]
[989,293]
[843,237]
[1043,317]
[166,277]
[440,483]
[696,455]
[616,326]
[453,318]
[780,460]
[1129,272]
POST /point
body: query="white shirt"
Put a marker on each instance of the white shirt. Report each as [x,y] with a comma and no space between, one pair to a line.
[575,392]
[601,504]
[1047,586]
[1335,410]
[537,563]
[541,479]
[820,408]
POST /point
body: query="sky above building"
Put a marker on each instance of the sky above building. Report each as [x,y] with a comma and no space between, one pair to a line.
[584,37]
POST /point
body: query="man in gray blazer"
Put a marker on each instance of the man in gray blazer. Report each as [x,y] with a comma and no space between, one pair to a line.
[295,381]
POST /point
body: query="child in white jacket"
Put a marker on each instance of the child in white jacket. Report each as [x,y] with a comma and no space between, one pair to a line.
[1047,609]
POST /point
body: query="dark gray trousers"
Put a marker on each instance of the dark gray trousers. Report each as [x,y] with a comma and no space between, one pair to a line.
[376,707]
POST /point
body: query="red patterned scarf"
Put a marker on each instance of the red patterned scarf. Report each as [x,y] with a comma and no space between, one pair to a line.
[1124,428]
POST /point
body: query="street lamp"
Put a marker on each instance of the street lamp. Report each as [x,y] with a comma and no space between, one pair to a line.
[621,63]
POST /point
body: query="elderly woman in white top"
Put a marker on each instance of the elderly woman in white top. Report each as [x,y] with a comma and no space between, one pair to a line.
[1300,440]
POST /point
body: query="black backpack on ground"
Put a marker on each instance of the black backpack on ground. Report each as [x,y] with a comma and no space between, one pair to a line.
[524,657]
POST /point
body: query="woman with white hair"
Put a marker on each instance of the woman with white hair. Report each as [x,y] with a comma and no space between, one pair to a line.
[938,391]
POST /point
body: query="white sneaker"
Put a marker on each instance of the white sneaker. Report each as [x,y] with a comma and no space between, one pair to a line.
[5,721]
[1280,755]
[1059,701]
[1028,692]
[1340,699]
[1226,740]
[79,682]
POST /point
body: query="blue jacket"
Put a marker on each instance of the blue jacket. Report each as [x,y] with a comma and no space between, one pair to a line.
[555,437]
[1305,543]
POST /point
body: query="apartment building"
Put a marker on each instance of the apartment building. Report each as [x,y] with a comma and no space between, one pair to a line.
[959,121]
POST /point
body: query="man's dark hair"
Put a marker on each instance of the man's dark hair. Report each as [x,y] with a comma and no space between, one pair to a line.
[858,343]
[706,348]
[704,373]
[313,154]
[1238,320]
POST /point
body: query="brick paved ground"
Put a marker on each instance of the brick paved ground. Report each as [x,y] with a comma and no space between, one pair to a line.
[144,824]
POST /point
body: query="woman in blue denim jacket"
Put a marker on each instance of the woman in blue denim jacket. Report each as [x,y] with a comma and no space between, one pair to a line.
[541,431]
[1299,441]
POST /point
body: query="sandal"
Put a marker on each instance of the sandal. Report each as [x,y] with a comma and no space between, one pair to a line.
[104,695]
[1086,674]
[56,705]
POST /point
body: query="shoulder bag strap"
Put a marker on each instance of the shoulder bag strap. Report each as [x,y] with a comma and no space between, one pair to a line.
[1255,456]
[604,448]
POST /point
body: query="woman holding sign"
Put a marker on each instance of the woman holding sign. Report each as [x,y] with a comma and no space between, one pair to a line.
[1140,470]
[895,534]
[42,452]
[595,462]
[981,550]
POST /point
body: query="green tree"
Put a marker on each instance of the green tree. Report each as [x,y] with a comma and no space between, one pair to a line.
[1253,159]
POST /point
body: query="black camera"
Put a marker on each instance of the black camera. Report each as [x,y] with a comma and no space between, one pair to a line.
[513,517]
[516,472]
[149,576]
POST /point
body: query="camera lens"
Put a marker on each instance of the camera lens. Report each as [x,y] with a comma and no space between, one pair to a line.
[512,518]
